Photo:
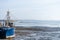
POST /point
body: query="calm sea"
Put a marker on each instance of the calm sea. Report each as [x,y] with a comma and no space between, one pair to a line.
[29,23]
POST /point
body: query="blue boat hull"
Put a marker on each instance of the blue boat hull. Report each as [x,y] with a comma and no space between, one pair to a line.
[7,32]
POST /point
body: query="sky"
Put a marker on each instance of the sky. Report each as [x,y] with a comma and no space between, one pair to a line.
[31,9]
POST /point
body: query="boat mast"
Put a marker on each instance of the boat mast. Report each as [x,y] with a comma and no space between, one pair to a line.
[8,18]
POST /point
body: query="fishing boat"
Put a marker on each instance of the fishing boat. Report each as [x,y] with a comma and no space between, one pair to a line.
[7,29]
